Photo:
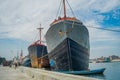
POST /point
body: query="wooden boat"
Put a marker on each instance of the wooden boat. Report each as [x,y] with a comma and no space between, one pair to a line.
[26,62]
[85,72]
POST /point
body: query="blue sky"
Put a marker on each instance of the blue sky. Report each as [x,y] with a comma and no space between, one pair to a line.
[20,18]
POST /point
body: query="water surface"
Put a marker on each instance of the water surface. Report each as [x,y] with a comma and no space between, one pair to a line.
[112,71]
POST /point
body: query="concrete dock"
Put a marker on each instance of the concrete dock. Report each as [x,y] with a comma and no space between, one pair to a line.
[7,73]
[24,73]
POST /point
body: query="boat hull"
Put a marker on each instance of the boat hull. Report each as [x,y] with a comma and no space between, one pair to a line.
[85,72]
[68,46]
[36,52]
[69,56]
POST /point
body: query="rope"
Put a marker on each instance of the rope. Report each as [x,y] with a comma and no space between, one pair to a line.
[104,29]
[71,8]
[59,9]
[44,55]
[34,39]
[97,27]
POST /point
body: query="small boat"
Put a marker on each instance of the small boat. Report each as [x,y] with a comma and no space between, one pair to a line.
[85,72]
[26,62]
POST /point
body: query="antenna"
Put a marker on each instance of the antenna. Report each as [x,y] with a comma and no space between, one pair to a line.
[40,32]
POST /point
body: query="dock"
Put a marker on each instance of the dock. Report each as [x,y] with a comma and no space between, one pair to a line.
[7,73]
[24,73]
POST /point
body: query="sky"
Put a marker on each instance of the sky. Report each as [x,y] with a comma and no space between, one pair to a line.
[20,18]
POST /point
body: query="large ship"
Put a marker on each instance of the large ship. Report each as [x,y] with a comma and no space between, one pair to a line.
[68,43]
[37,53]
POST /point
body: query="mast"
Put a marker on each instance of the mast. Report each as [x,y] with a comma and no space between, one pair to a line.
[64,8]
[40,32]
[21,56]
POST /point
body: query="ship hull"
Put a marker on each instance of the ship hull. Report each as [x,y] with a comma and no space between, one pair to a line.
[68,55]
[68,46]
[36,52]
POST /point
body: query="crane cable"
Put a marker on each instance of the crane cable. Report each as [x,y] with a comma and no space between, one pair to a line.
[103,29]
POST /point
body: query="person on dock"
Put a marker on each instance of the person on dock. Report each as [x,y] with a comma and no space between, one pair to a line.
[15,65]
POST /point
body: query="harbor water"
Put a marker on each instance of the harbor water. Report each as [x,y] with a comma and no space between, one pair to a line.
[112,71]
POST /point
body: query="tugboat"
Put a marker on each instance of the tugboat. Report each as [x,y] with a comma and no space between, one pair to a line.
[38,52]
[68,43]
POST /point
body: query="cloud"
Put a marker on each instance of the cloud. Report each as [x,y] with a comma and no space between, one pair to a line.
[104,5]
[20,18]
[102,42]
[23,17]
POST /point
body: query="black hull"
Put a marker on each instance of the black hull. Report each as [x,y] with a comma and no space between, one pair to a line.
[69,56]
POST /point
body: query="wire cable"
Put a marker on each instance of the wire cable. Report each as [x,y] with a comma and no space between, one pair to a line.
[70,8]
[95,27]
[59,9]
[104,29]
